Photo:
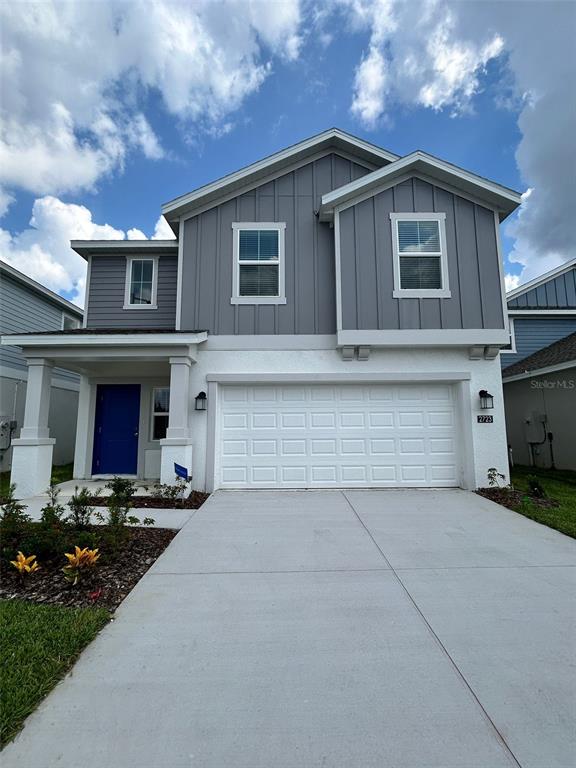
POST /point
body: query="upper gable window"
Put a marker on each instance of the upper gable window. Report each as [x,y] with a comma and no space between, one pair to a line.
[69,323]
[258,263]
[420,263]
[141,283]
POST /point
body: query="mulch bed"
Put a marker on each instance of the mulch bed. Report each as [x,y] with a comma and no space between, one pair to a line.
[514,499]
[193,501]
[108,584]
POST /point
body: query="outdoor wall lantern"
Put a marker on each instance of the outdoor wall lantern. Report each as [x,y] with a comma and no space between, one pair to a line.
[486,400]
[201,401]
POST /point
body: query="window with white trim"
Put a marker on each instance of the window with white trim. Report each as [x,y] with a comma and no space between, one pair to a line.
[420,261]
[69,322]
[141,283]
[160,411]
[510,348]
[258,263]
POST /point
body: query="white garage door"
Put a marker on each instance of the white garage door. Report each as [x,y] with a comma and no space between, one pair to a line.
[333,435]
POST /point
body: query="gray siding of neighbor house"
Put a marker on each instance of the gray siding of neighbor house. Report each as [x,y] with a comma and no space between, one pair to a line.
[106,294]
[23,310]
[557,293]
[367,263]
[309,255]
[534,333]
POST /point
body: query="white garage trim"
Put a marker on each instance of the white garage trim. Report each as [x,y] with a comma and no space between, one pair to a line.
[366,468]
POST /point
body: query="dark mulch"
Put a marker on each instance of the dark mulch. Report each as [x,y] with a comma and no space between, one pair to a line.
[513,499]
[109,582]
[193,501]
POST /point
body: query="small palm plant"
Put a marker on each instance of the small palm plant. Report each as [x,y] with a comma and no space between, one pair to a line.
[25,565]
[79,563]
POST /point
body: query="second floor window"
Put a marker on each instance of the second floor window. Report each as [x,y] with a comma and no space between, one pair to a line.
[258,263]
[420,263]
[141,278]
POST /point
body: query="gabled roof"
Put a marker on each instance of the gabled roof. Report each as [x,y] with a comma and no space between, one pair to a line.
[15,274]
[88,248]
[561,353]
[503,199]
[538,281]
[333,138]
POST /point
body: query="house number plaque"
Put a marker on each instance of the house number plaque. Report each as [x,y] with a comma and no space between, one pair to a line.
[485,419]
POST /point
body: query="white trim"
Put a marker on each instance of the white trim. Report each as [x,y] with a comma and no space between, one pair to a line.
[38,288]
[88,247]
[538,312]
[280,262]
[506,200]
[540,371]
[538,281]
[500,256]
[338,265]
[420,293]
[512,332]
[103,339]
[212,429]
[179,276]
[87,292]
[327,138]
[461,337]
[250,342]
[345,378]
[128,282]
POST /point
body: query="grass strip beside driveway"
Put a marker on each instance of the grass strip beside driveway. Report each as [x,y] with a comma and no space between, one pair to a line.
[39,645]
[559,485]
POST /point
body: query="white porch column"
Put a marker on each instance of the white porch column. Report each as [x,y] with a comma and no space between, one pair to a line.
[177,445]
[32,451]
[84,436]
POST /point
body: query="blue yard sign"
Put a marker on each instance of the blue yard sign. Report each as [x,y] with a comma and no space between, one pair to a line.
[182,472]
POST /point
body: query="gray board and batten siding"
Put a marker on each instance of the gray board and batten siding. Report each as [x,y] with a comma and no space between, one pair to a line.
[557,293]
[293,198]
[106,294]
[367,263]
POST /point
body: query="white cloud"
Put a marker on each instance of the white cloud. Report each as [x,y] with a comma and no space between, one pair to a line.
[42,251]
[511,282]
[432,54]
[75,77]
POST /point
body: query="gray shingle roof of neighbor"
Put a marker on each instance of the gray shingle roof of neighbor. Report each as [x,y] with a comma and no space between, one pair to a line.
[562,351]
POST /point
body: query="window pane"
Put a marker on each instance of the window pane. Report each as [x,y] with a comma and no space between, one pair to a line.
[136,271]
[256,280]
[162,400]
[70,323]
[258,245]
[248,245]
[418,237]
[160,427]
[147,270]
[420,272]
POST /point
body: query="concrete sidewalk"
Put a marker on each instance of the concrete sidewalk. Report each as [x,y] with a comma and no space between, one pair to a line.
[337,629]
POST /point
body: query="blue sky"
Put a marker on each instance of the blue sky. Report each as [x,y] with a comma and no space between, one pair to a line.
[468,99]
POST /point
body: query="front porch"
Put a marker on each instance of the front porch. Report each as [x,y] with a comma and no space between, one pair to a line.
[135,412]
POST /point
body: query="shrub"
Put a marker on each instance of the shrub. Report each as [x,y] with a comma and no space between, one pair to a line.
[494,477]
[171,492]
[80,509]
[25,565]
[14,522]
[53,512]
[122,489]
[535,487]
[79,563]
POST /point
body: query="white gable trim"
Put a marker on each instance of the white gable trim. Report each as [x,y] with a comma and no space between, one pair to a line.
[308,146]
[502,198]
[538,281]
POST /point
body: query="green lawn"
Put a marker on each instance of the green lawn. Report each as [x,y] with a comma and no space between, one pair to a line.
[39,645]
[559,485]
[59,475]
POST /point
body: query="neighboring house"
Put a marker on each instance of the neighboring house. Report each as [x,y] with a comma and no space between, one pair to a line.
[539,372]
[26,306]
[540,397]
[325,317]
[540,312]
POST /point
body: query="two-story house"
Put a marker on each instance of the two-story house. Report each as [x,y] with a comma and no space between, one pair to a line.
[28,307]
[326,317]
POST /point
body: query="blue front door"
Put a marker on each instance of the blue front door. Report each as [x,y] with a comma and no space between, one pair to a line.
[116,429]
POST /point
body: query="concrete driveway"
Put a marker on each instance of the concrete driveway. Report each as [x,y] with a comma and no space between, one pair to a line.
[393,629]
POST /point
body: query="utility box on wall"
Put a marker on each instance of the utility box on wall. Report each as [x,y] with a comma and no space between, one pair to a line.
[535,427]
